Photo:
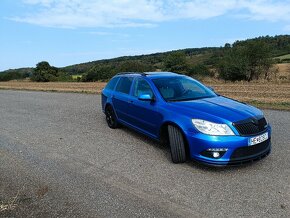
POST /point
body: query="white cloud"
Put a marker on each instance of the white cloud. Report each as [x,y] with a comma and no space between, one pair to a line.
[267,10]
[134,13]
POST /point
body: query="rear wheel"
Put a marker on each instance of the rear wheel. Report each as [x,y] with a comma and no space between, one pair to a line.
[111,117]
[177,144]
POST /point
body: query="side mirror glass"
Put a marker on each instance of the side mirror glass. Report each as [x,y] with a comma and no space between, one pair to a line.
[145,97]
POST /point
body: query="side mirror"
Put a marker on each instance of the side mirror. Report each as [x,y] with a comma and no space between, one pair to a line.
[145,97]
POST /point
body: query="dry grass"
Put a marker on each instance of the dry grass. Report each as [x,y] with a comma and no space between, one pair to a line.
[283,70]
[268,93]
[9,205]
[262,94]
[92,87]
[272,96]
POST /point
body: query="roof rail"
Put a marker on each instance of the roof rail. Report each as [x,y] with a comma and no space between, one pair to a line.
[123,73]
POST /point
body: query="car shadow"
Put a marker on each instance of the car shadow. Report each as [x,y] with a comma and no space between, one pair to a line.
[149,141]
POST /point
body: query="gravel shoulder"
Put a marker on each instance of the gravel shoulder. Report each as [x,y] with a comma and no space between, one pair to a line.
[59,159]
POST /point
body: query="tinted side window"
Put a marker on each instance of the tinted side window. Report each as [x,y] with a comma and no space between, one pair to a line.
[112,83]
[142,87]
[124,84]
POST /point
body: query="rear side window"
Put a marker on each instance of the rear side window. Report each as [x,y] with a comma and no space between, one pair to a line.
[112,83]
[124,85]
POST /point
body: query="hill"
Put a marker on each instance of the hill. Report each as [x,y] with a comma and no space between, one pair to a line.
[279,45]
[156,60]
[192,61]
[12,74]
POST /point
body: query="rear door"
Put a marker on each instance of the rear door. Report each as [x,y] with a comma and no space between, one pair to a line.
[108,91]
[122,98]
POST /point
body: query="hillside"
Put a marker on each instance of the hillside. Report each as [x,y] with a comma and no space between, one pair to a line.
[12,74]
[196,55]
[198,60]
[279,45]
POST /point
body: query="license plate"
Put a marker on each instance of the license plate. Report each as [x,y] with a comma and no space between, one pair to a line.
[258,139]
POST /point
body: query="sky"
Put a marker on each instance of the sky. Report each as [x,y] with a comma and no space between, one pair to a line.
[66,32]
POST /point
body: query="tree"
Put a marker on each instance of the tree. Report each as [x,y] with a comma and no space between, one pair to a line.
[134,66]
[245,62]
[176,62]
[11,76]
[44,72]
[98,73]
[233,65]
[258,59]
[200,69]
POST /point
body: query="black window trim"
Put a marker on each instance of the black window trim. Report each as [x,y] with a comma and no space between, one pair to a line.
[133,86]
[123,93]
[118,79]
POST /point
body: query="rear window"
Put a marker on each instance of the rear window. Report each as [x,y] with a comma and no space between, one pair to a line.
[124,85]
[112,83]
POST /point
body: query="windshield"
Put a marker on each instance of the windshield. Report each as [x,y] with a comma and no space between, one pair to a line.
[182,88]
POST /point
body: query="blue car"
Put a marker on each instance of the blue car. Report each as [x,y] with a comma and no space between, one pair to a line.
[191,118]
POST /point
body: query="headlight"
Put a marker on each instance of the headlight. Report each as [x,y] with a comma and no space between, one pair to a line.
[210,128]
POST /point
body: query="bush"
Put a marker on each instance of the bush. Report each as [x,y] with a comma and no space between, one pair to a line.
[98,73]
[201,70]
[176,62]
[12,76]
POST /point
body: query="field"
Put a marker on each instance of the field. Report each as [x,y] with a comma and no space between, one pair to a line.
[263,95]
[271,96]
[80,87]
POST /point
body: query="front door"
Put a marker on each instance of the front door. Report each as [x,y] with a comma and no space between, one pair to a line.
[145,113]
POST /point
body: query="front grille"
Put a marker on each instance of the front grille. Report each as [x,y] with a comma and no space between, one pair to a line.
[251,126]
[248,151]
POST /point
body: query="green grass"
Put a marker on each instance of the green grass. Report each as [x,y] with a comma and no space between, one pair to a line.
[76,76]
[287,56]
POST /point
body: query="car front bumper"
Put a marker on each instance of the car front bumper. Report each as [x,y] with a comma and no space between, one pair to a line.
[238,149]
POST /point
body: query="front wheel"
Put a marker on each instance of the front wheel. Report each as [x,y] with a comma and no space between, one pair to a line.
[111,117]
[177,145]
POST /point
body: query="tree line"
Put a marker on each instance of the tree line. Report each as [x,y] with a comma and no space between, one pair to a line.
[243,60]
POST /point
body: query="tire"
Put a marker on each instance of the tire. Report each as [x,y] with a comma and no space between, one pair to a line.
[111,117]
[177,144]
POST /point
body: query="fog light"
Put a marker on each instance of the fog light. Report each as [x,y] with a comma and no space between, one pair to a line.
[217,149]
[215,154]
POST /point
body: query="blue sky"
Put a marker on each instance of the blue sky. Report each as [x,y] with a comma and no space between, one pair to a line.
[66,32]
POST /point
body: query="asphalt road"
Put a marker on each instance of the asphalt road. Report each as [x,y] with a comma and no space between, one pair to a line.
[59,158]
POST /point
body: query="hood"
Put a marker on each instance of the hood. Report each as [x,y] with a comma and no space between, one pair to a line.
[218,108]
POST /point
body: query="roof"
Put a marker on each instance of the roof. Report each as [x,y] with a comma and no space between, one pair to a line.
[149,74]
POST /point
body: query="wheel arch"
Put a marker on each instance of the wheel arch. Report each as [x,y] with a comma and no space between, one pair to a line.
[163,134]
[109,104]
